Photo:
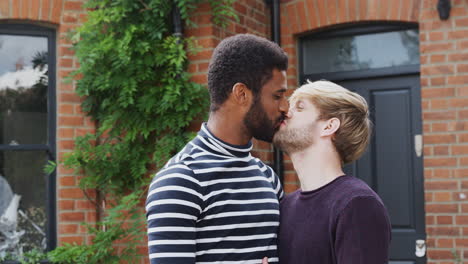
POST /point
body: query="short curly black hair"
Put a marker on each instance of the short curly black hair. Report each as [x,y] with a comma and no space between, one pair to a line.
[243,58]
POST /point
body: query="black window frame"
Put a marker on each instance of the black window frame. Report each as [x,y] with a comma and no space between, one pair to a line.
[50,147]
[352,30]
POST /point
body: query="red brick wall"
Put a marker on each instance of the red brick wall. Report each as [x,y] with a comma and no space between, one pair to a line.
[444,84]
[62,15]
[254,18]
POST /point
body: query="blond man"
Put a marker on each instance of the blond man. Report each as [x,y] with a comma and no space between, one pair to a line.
[334,218]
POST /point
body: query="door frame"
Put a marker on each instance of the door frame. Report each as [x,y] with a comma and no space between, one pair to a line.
[407,70]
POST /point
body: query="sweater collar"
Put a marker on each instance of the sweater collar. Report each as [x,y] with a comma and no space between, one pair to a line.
[213,144]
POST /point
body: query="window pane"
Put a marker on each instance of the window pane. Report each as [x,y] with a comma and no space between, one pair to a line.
[22,201]
[361,52]
[23,89]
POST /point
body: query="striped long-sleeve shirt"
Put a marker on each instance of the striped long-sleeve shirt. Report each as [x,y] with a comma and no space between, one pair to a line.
[213,203]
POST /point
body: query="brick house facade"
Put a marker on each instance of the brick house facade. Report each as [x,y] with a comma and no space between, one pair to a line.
[443,47]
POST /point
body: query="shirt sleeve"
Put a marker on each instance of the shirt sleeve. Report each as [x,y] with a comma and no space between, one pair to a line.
[363,232]
[173,206]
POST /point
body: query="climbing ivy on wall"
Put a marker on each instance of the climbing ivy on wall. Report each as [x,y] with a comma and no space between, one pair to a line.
[135,86]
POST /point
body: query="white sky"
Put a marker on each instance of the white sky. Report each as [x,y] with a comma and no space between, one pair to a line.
[14,49]
[23,78]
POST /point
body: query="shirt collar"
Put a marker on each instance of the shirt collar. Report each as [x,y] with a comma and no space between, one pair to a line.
[213,144]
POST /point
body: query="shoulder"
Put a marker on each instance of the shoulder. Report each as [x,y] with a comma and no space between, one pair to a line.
[353,191]
[174,183]
[290,199]
[185,161]
[262,166]
[176,174]
[187,153]
[352,187]
[365,203]
[359,199]
[367,214]
[174,168]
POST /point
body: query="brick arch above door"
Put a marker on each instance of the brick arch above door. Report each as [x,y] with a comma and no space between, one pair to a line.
[300,16]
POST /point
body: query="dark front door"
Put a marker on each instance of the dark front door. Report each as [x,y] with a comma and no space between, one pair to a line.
[381,62]
[392,165]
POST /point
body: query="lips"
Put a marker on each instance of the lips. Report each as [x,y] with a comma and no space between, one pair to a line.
[280,123]
[283,123]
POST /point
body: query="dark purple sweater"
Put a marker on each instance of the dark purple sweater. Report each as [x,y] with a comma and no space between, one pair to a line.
[343,222]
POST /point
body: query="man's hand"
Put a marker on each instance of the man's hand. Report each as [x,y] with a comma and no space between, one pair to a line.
[265,260]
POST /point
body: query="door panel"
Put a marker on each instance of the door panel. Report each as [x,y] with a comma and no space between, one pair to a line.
[390,165]
[392,143]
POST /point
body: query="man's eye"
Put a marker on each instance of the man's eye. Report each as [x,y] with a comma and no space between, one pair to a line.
[277,97]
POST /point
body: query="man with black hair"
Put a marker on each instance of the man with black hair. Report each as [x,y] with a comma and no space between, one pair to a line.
[213,202]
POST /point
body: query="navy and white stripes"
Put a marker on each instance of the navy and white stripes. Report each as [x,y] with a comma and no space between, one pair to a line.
[213,203]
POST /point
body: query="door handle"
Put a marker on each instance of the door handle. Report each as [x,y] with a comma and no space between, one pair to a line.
[420,248]
[418,145]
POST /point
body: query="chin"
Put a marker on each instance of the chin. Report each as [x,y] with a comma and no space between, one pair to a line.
[276,143]
[264,138]
[280,146]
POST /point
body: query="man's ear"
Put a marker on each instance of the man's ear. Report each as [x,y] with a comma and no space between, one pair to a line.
[241,95]
[330,127]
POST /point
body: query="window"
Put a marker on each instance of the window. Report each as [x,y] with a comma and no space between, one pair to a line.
[365,50]
[27,138]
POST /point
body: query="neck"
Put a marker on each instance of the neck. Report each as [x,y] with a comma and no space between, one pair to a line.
[227,128]
[316,166]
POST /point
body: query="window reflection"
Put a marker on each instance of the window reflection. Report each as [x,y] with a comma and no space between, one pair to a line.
[361,52]
[22,201]
[23,90]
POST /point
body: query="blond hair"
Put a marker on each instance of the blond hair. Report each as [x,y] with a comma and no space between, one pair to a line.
[332,100]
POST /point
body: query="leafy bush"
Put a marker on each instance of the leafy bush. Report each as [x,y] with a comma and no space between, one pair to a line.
[133,79]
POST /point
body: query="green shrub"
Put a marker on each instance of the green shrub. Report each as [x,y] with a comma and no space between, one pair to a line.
[135,87]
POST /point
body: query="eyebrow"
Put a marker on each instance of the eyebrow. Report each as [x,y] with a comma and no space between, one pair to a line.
[298,102]
[283,90]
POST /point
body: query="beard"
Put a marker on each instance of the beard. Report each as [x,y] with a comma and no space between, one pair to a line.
[291,140]
[258,123]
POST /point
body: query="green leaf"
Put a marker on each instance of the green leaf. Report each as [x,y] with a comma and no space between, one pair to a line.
[135,87]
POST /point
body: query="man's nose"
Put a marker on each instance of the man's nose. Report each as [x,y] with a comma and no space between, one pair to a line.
[284,106]
[289,114]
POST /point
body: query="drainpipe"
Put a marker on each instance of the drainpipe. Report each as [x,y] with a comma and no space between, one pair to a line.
[176,21]
[275,21]
[275,33]
[278,165]
[177,26]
